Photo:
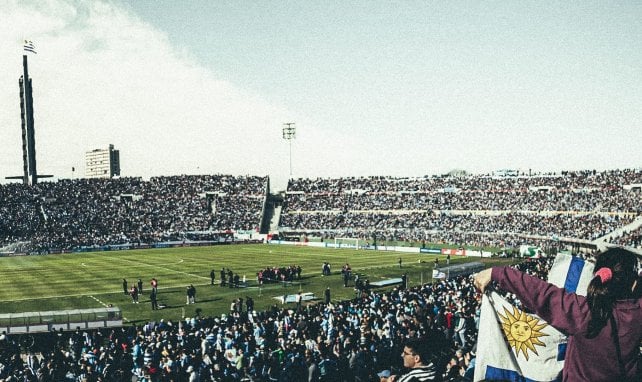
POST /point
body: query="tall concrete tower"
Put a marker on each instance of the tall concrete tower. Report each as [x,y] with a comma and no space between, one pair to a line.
[30,171]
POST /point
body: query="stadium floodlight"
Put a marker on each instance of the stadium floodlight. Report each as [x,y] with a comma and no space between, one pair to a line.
[289,133]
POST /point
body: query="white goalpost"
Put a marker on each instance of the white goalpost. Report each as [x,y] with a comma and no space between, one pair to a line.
[346,242]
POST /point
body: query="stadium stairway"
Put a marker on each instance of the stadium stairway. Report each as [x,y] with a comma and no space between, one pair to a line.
[271,214]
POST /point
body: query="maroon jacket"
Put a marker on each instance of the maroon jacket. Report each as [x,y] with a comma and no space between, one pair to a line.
[586,359]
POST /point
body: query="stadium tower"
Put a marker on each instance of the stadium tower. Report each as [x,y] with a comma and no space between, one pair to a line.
[28,130]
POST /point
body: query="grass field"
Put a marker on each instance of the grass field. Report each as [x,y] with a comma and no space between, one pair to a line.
[89,280]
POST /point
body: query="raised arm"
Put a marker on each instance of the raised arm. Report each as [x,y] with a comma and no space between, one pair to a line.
[567,312]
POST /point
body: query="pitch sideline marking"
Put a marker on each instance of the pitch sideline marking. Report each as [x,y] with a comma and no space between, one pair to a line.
[159,267]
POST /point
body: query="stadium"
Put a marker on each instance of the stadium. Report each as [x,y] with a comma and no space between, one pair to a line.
[68,245]
[464,203]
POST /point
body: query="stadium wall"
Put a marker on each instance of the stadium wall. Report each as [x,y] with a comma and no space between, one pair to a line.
[442,251]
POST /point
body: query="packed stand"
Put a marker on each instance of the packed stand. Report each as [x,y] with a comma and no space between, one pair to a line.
[584,205]
[630,239]
[93,212]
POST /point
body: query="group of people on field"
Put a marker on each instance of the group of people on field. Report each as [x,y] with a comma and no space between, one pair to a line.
[229,278]
[279,274]
[136,290]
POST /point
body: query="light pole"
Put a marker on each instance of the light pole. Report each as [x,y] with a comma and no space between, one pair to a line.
[289,133]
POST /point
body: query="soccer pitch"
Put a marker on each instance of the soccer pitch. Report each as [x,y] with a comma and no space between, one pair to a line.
[91,280]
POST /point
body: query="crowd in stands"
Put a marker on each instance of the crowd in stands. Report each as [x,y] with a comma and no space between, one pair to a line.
[92,212]
[567,180]
[630,238]
[470,210]
[482,209]
[340,341]
[416,226]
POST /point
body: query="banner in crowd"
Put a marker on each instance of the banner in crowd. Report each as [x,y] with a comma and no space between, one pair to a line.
[453,252]
[307,296]
[436,274]
[531,252]
[571,272]
[517,346]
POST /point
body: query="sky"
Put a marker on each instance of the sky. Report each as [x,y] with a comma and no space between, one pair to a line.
[397,88]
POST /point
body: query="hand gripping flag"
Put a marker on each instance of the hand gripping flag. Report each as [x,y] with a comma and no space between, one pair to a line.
[517,346]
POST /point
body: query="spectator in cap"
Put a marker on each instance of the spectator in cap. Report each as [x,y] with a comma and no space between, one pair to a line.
[384,375]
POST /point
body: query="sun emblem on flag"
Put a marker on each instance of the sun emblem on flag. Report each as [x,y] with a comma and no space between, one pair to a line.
[522,331]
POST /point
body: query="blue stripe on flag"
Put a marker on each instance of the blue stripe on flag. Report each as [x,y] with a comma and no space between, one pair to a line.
[495,373]
[561,352]
[574,274]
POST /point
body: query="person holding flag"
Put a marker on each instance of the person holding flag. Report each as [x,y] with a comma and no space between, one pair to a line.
[603,327]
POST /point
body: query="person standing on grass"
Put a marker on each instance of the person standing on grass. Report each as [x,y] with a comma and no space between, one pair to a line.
[154,284]
[134,294]
[125,289]
[140,286]
[152,298]
[212,277]
[191,294]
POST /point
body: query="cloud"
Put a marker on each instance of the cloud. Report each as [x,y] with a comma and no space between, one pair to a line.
[103,76]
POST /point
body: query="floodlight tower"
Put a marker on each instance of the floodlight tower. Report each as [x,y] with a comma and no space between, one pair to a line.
[289,133]
[27,124]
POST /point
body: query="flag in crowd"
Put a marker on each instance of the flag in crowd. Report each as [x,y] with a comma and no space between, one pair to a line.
[518,346]
[437,274]
[30,47]
[571,272]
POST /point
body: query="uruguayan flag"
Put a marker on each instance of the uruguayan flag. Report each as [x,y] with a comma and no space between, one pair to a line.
[571,273]
[29,47]
[516,346]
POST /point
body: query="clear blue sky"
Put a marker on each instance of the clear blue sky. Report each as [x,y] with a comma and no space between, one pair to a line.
[375,87]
